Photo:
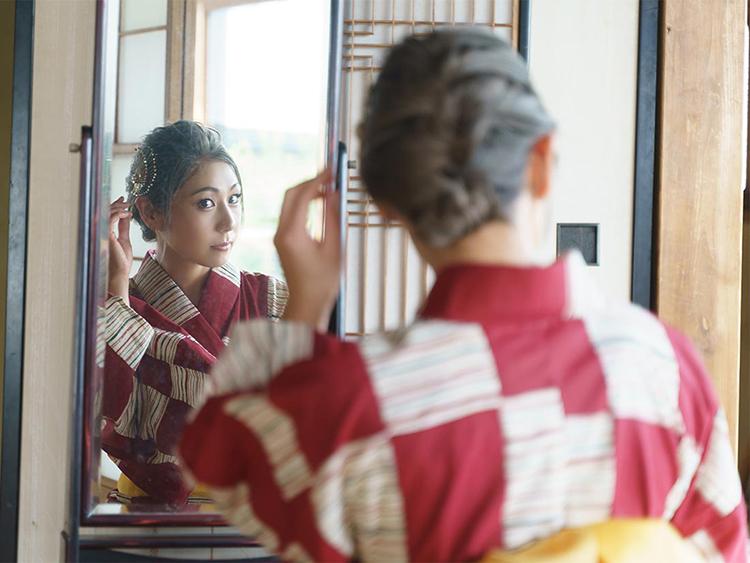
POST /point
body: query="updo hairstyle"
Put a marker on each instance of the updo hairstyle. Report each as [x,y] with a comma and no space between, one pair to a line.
[447,131]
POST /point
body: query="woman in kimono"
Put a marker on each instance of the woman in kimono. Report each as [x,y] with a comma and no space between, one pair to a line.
[166,325]
[522,400]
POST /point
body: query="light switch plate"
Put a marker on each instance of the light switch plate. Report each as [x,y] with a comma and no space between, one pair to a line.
[582,236]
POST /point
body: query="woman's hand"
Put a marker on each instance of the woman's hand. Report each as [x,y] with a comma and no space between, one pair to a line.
[120,250]
[312,268]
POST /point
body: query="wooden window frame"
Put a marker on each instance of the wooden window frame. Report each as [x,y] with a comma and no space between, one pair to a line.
[174,67]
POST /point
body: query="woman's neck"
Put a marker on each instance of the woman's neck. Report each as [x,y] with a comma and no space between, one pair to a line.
[496,242]
[189,276]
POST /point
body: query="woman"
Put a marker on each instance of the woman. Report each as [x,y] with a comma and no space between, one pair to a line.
[519,403]
[166,325]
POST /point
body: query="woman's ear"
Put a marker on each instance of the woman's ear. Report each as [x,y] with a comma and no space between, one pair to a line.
[539,168]
[153,218]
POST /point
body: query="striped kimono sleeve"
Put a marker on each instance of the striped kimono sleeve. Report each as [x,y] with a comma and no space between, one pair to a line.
[264,349]
[709,509]
[278,295]
[242,447]
[152,379]
[250,443]
[127,336]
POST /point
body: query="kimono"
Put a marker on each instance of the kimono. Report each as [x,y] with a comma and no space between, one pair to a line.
[159,350]
[521,402]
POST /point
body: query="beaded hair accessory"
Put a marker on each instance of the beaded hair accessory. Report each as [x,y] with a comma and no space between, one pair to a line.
[142,180]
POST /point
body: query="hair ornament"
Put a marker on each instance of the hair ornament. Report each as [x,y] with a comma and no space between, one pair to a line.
[143,179]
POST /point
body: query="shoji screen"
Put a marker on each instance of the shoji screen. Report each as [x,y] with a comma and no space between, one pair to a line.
[386,280]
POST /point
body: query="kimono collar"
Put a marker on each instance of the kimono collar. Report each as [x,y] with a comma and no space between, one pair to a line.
[219,294]
[479,292]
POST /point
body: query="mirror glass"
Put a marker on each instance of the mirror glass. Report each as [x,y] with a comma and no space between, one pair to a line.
[197,219]
[258,72]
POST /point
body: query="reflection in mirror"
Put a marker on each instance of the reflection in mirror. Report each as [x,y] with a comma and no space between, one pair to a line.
[217,114]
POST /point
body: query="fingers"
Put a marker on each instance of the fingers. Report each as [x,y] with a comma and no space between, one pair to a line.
[117,207]
[123,230]
[118,212]
[114,216]
[294,209]
[119,203]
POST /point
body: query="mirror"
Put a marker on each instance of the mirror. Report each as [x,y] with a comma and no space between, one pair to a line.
[208,112]
[203,78]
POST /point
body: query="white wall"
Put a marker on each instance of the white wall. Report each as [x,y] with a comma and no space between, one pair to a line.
[584,64]
[584,61]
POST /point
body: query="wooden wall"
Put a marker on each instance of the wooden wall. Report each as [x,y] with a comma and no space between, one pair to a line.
[61,104]
[701,176]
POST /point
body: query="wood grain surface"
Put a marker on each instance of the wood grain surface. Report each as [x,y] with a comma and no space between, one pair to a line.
[701,173]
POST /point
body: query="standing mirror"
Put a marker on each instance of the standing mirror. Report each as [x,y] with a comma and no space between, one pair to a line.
[245,95]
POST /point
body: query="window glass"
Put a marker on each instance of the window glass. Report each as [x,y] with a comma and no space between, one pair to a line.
[270,109]
[141,85]
[140,14]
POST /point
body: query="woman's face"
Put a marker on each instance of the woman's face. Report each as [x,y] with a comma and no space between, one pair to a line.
[204,216]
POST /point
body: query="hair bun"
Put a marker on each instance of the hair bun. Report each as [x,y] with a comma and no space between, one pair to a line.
[447,130]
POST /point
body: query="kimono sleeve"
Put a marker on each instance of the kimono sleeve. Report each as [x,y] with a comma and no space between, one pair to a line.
[152,378]
[712,514]
[263,349]
[246,448]
[278,295]
[127,336]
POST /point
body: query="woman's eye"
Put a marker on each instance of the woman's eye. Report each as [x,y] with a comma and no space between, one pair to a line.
[205,204]
[235,198]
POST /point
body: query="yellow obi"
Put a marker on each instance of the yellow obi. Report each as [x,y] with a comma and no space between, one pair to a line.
[636,540]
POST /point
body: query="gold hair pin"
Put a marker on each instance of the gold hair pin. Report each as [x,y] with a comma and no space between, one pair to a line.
[143,180]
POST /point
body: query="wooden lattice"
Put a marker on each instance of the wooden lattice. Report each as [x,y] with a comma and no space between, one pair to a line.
[386,279]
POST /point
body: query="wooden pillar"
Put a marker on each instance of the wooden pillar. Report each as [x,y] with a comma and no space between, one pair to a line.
[61,103]
[702,157]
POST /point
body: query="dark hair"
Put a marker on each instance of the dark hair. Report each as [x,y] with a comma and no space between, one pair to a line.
[447,130]
[166,159]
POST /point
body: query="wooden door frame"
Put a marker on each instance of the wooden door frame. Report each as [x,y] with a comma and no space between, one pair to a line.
[700,176]
[645,188]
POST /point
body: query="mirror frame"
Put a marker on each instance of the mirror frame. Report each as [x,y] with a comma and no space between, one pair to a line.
[92,256]
[11,375]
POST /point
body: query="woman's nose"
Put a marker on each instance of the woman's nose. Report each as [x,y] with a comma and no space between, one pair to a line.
[228,221]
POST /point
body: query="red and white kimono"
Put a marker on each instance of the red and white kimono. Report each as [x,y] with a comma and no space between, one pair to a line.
[158,353]
[521,402]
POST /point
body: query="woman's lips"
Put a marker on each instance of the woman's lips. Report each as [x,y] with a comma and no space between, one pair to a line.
[223,246]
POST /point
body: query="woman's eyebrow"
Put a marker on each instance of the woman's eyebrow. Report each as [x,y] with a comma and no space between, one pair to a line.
[207,188]
[212,189]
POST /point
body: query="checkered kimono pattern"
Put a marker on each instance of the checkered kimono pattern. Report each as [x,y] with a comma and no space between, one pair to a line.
[158,353]
[521,402]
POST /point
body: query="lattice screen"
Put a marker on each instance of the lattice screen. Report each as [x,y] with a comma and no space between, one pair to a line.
[386,279]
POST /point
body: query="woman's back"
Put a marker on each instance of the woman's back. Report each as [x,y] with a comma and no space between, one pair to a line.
[519,404]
